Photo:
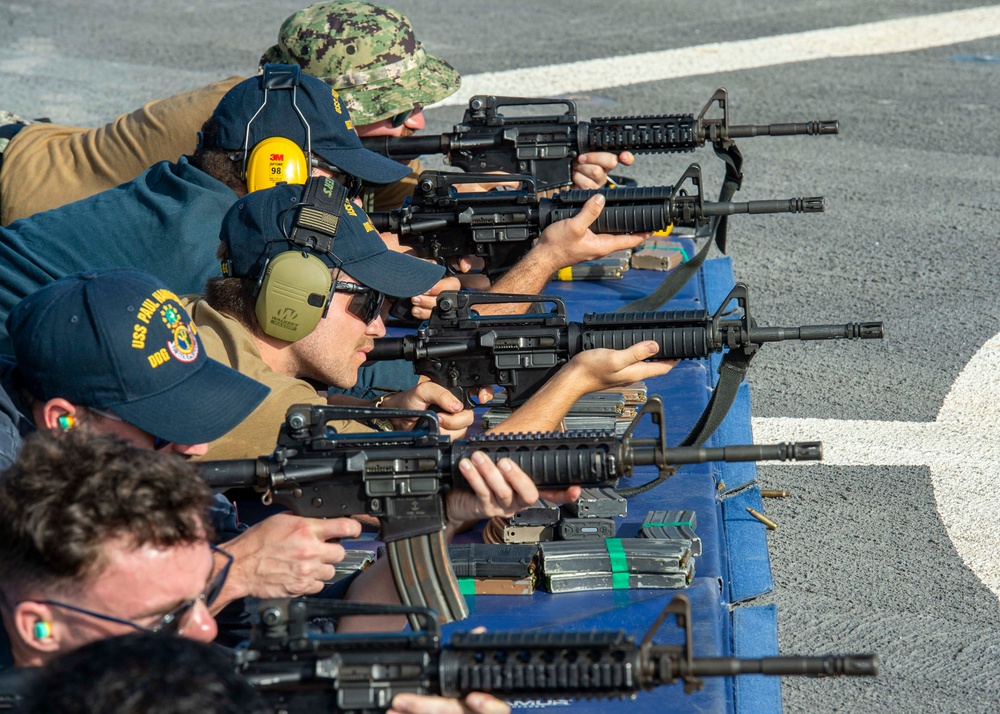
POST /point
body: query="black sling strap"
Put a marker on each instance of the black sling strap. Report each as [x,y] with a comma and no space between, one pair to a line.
[672,284]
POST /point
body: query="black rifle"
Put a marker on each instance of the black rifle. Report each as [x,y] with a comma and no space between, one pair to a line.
[440,223]
[301,673]
[401,477]
[15,683]
[545,146]
[460,349]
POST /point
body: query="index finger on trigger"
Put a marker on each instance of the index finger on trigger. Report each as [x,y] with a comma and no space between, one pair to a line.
[329,528]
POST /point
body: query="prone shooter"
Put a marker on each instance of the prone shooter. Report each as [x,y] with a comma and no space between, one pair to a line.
[401,476]
[441,223]
[299,672]
[545,146]
[460,349]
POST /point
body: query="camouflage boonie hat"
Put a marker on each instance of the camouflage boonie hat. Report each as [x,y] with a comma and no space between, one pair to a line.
[368,54]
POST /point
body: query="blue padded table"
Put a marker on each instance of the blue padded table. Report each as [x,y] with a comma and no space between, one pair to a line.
[734,565]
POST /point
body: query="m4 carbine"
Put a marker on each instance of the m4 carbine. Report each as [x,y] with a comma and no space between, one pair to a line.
[440,223]
[401,478]
[545,146]
[300,673]
[462,350]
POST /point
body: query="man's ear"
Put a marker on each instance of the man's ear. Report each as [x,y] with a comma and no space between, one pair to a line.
[58,415]
[34,626]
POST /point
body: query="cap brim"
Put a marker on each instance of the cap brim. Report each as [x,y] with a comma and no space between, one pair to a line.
[395,274]
[366,165]
[208,404]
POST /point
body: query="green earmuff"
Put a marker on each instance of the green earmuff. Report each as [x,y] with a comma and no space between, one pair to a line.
[292,294]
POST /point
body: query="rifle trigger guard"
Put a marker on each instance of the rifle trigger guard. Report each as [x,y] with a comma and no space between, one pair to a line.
[268,498]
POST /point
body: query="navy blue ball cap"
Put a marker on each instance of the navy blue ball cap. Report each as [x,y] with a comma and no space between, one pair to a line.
[119,340]
[332,132]
[255,229]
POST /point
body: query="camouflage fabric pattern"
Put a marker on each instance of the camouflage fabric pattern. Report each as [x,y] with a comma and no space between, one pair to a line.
[368,54]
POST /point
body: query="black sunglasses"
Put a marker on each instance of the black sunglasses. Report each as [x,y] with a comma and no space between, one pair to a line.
[366,305]
[352,183]
[170,623]
[398,120]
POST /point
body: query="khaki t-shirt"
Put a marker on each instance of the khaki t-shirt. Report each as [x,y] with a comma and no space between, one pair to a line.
[47,165]
[227,341]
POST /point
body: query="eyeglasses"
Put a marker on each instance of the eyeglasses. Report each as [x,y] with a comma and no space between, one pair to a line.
[170,623]
[366,305]
[398,120]
[158,443]
[352,183]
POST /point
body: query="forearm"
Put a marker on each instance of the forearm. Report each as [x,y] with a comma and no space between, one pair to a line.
[374,585]
[237,583]
[528,277]
[546,408]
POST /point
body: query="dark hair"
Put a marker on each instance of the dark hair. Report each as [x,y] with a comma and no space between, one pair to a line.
[235,297]
[217,162]
[69,493]
[143,674]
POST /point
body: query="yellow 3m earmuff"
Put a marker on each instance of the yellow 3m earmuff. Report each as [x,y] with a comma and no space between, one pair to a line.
[276,160]
[291,295]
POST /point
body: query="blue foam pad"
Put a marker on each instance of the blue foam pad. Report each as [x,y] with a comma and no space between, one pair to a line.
[746,540]
[755,634]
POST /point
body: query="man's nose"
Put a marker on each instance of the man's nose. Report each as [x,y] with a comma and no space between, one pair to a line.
[190,449]
[416,120]
[201,625]
[376,328]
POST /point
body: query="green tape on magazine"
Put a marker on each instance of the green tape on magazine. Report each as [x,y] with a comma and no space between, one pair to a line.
[619,563]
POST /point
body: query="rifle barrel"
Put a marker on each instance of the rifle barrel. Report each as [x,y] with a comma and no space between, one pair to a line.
[849,331]
[848,665]
[644,452]
[808,204]
[789,129]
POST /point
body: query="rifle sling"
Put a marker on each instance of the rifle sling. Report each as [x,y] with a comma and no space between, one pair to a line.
[680,275]
[732,372]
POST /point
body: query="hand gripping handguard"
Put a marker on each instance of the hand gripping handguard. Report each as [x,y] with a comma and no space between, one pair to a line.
[462,350]
[544,146]
[401,477]
[441,222]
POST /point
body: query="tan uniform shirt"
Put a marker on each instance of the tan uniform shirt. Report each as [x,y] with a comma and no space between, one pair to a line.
[227,341]
[46,165]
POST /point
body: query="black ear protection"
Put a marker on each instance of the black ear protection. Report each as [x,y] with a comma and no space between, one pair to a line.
[294,287]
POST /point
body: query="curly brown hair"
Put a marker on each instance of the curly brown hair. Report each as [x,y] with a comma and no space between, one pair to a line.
[235,297]
[218,163]
[67,494]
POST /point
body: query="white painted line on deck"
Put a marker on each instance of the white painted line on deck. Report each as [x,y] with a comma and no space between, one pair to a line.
[961,447]
[874,38]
